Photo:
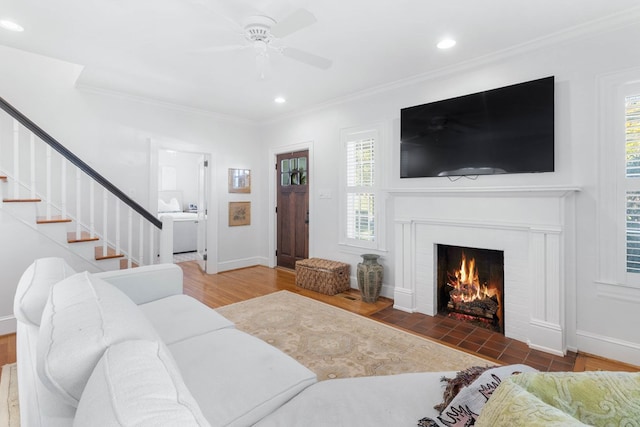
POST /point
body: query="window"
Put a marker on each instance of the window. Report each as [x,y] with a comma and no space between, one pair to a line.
[618,242]
[362,205]
[632,173]
[360,189]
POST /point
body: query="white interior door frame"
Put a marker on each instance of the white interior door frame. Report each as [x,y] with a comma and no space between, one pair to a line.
[208,196]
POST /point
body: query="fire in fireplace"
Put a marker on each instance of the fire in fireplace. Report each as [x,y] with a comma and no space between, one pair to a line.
[471,285]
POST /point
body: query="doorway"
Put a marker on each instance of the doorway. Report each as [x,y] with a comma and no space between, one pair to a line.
[292,208]
[184,177]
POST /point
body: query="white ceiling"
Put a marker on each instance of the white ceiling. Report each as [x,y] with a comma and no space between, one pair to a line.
[157,49]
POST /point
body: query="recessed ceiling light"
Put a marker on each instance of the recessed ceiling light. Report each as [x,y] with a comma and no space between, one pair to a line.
[10,25]
[279,100]
[446,43]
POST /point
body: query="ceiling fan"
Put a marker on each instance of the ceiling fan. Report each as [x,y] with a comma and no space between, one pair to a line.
[264,33]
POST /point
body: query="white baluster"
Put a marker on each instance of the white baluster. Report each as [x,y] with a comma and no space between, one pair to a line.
[118,226]
[16,159]
[63,190]
[130,237]
[92,210]
[141,241]
[78,203]
[32,165]
[105,219]
[48,177]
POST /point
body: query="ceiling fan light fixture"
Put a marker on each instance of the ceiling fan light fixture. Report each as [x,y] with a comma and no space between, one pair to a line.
[446,43]
[11,26]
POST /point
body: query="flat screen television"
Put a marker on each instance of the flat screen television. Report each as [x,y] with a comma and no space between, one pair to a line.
[505,130]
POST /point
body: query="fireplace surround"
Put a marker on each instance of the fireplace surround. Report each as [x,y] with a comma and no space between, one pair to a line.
[534,229]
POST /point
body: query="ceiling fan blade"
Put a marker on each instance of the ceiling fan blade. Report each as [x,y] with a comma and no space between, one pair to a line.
[299,19]
[307,58]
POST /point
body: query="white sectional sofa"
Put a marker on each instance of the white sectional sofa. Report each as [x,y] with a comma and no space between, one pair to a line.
[128,348]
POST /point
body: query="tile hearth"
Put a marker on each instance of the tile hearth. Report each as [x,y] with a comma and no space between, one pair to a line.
[475,340]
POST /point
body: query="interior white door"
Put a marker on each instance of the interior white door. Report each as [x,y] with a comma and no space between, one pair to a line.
[203,174]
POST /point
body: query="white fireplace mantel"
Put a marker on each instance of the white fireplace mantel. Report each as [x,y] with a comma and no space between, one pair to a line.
[533,226]
[505,191]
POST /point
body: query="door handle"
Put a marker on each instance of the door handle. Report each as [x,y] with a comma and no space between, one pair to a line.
[306,220]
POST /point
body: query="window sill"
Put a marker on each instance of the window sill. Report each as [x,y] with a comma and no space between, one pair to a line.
[359,250]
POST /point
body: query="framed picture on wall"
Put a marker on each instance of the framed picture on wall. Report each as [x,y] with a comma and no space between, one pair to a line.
[239,180]
[239,213]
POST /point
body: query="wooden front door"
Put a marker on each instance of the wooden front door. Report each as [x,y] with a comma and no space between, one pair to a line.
[292,209]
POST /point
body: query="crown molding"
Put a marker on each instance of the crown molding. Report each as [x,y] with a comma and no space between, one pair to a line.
[163,104]
[602,25]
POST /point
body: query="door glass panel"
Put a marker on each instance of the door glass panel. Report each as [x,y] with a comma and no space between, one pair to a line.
[293,171]
[285,179]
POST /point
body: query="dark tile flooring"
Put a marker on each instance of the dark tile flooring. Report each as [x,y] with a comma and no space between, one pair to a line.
[475,339]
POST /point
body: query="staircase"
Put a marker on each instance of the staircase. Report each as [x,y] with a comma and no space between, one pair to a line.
[48,188]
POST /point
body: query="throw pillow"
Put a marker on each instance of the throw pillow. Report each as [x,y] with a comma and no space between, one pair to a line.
[137,383]
[34,286]
[595,398]
[83,317]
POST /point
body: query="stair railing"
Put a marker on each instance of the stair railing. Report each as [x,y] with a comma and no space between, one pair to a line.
[86,224]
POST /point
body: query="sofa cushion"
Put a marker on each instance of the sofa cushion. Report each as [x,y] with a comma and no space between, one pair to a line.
[389,400]
[83,317]
[179,317]
[236,378]
[34,286]
[136,383]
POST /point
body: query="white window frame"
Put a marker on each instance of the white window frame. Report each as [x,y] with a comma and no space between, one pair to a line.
[377,133]
[613,185]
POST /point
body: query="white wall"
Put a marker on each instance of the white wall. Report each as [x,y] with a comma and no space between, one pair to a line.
[111,133]
[576,63]
[115,135]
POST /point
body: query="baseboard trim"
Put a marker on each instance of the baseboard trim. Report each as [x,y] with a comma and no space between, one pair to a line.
[8,325]
[607,347]
[241,263]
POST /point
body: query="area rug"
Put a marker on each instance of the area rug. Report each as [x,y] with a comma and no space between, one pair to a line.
[9,408]
[335,343]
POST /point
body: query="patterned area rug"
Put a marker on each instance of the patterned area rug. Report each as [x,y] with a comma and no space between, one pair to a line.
[9,408]
[335,343]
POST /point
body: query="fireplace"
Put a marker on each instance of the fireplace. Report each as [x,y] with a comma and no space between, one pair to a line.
[470,285]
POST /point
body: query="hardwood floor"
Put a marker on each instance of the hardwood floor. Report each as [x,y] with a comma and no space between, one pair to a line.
[239,285]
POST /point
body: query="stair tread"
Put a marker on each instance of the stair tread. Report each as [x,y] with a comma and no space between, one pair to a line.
[124,264]
[21,200]
[52,220]
[84,237]
[111,253]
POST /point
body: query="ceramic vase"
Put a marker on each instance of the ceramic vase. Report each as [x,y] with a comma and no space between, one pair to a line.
[370,277]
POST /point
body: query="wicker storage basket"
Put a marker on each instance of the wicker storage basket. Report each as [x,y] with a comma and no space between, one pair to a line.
[322,275]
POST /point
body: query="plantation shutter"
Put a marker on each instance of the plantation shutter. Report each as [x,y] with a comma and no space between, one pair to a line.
[632,152]
[360,195]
